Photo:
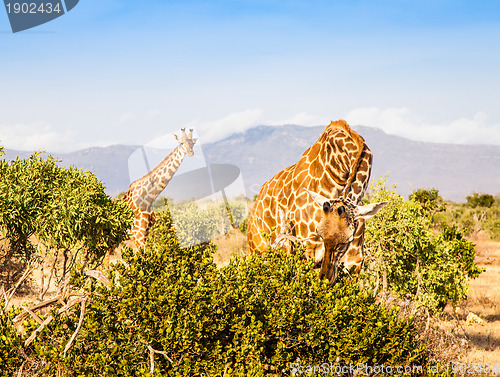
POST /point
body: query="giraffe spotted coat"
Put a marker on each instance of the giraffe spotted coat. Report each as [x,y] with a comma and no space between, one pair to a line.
[337,165]
[143,192]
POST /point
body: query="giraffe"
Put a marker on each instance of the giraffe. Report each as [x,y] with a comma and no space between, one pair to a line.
[142,192]
[338,165]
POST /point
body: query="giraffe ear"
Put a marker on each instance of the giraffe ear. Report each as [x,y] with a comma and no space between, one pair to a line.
[319,199]
[369,210]
[176,137]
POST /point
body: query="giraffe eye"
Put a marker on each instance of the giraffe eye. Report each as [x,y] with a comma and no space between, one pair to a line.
[326,207]
[341,210]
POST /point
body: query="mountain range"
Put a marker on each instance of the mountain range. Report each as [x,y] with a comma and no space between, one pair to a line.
[260,152]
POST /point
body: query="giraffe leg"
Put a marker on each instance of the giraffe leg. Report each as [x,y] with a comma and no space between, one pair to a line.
[142,222]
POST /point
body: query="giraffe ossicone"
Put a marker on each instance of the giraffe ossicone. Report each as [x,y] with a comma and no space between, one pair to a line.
[144,191]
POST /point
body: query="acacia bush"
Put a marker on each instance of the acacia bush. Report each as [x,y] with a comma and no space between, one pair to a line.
[405,258]
[11,357]
[66,209]
[256,316]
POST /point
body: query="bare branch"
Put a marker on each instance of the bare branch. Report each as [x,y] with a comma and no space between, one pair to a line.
[151,359]
[99,276]
[20,317]
[20,371]
[34,315]
[13,290]
[152,352]
[5,298]
[80,322]
[40,328]
[52,271]
[72,303]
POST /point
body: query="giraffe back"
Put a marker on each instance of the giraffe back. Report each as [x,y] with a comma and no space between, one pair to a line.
[338,164]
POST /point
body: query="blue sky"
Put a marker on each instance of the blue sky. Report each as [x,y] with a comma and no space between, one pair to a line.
[129,72]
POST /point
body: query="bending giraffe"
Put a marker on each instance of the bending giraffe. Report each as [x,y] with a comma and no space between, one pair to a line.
[143,192]
[337,167]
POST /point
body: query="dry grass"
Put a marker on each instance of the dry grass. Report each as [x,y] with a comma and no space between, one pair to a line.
[483,344]
[231,243]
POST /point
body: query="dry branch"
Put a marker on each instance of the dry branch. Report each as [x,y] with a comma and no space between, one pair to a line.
[152,352]
[34,315]
[20,317]
[13,290]
[80,322]
[99,276]
[39,329]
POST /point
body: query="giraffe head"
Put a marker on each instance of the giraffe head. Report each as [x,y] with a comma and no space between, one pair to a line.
[186,141]
[340,219]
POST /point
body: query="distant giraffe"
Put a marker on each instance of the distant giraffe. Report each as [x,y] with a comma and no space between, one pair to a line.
[143,192]
[338,165]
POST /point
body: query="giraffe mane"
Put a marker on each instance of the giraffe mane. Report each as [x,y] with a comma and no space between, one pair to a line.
[358,140]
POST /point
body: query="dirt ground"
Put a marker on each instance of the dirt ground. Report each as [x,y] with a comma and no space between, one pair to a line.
[484,301]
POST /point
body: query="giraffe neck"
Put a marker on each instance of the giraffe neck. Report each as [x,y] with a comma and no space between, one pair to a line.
[347,162]
[145,190]
[159,177]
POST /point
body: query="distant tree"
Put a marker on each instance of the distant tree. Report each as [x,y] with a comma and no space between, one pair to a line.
[480,200]
[429,199]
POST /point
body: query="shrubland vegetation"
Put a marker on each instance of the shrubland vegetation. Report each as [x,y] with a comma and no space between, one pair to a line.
[195,223]
[480,212]
[171,311]
[406,258]
[168,310]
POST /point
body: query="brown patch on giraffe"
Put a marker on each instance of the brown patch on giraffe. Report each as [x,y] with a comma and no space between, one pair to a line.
[356,187]
[303,229]
[350,146]
[314,150]
[312,228]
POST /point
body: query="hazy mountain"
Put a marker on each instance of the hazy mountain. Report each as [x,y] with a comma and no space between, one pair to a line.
[456,170]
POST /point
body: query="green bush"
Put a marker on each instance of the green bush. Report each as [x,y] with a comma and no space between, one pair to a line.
[405,257]
[480,200]
[256,316]
[11,357]
[470,217]
[65,208]
[429,199]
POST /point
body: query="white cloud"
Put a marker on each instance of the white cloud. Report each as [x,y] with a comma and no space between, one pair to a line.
[304,119]
[235,122]
[37,136]
[403,122]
